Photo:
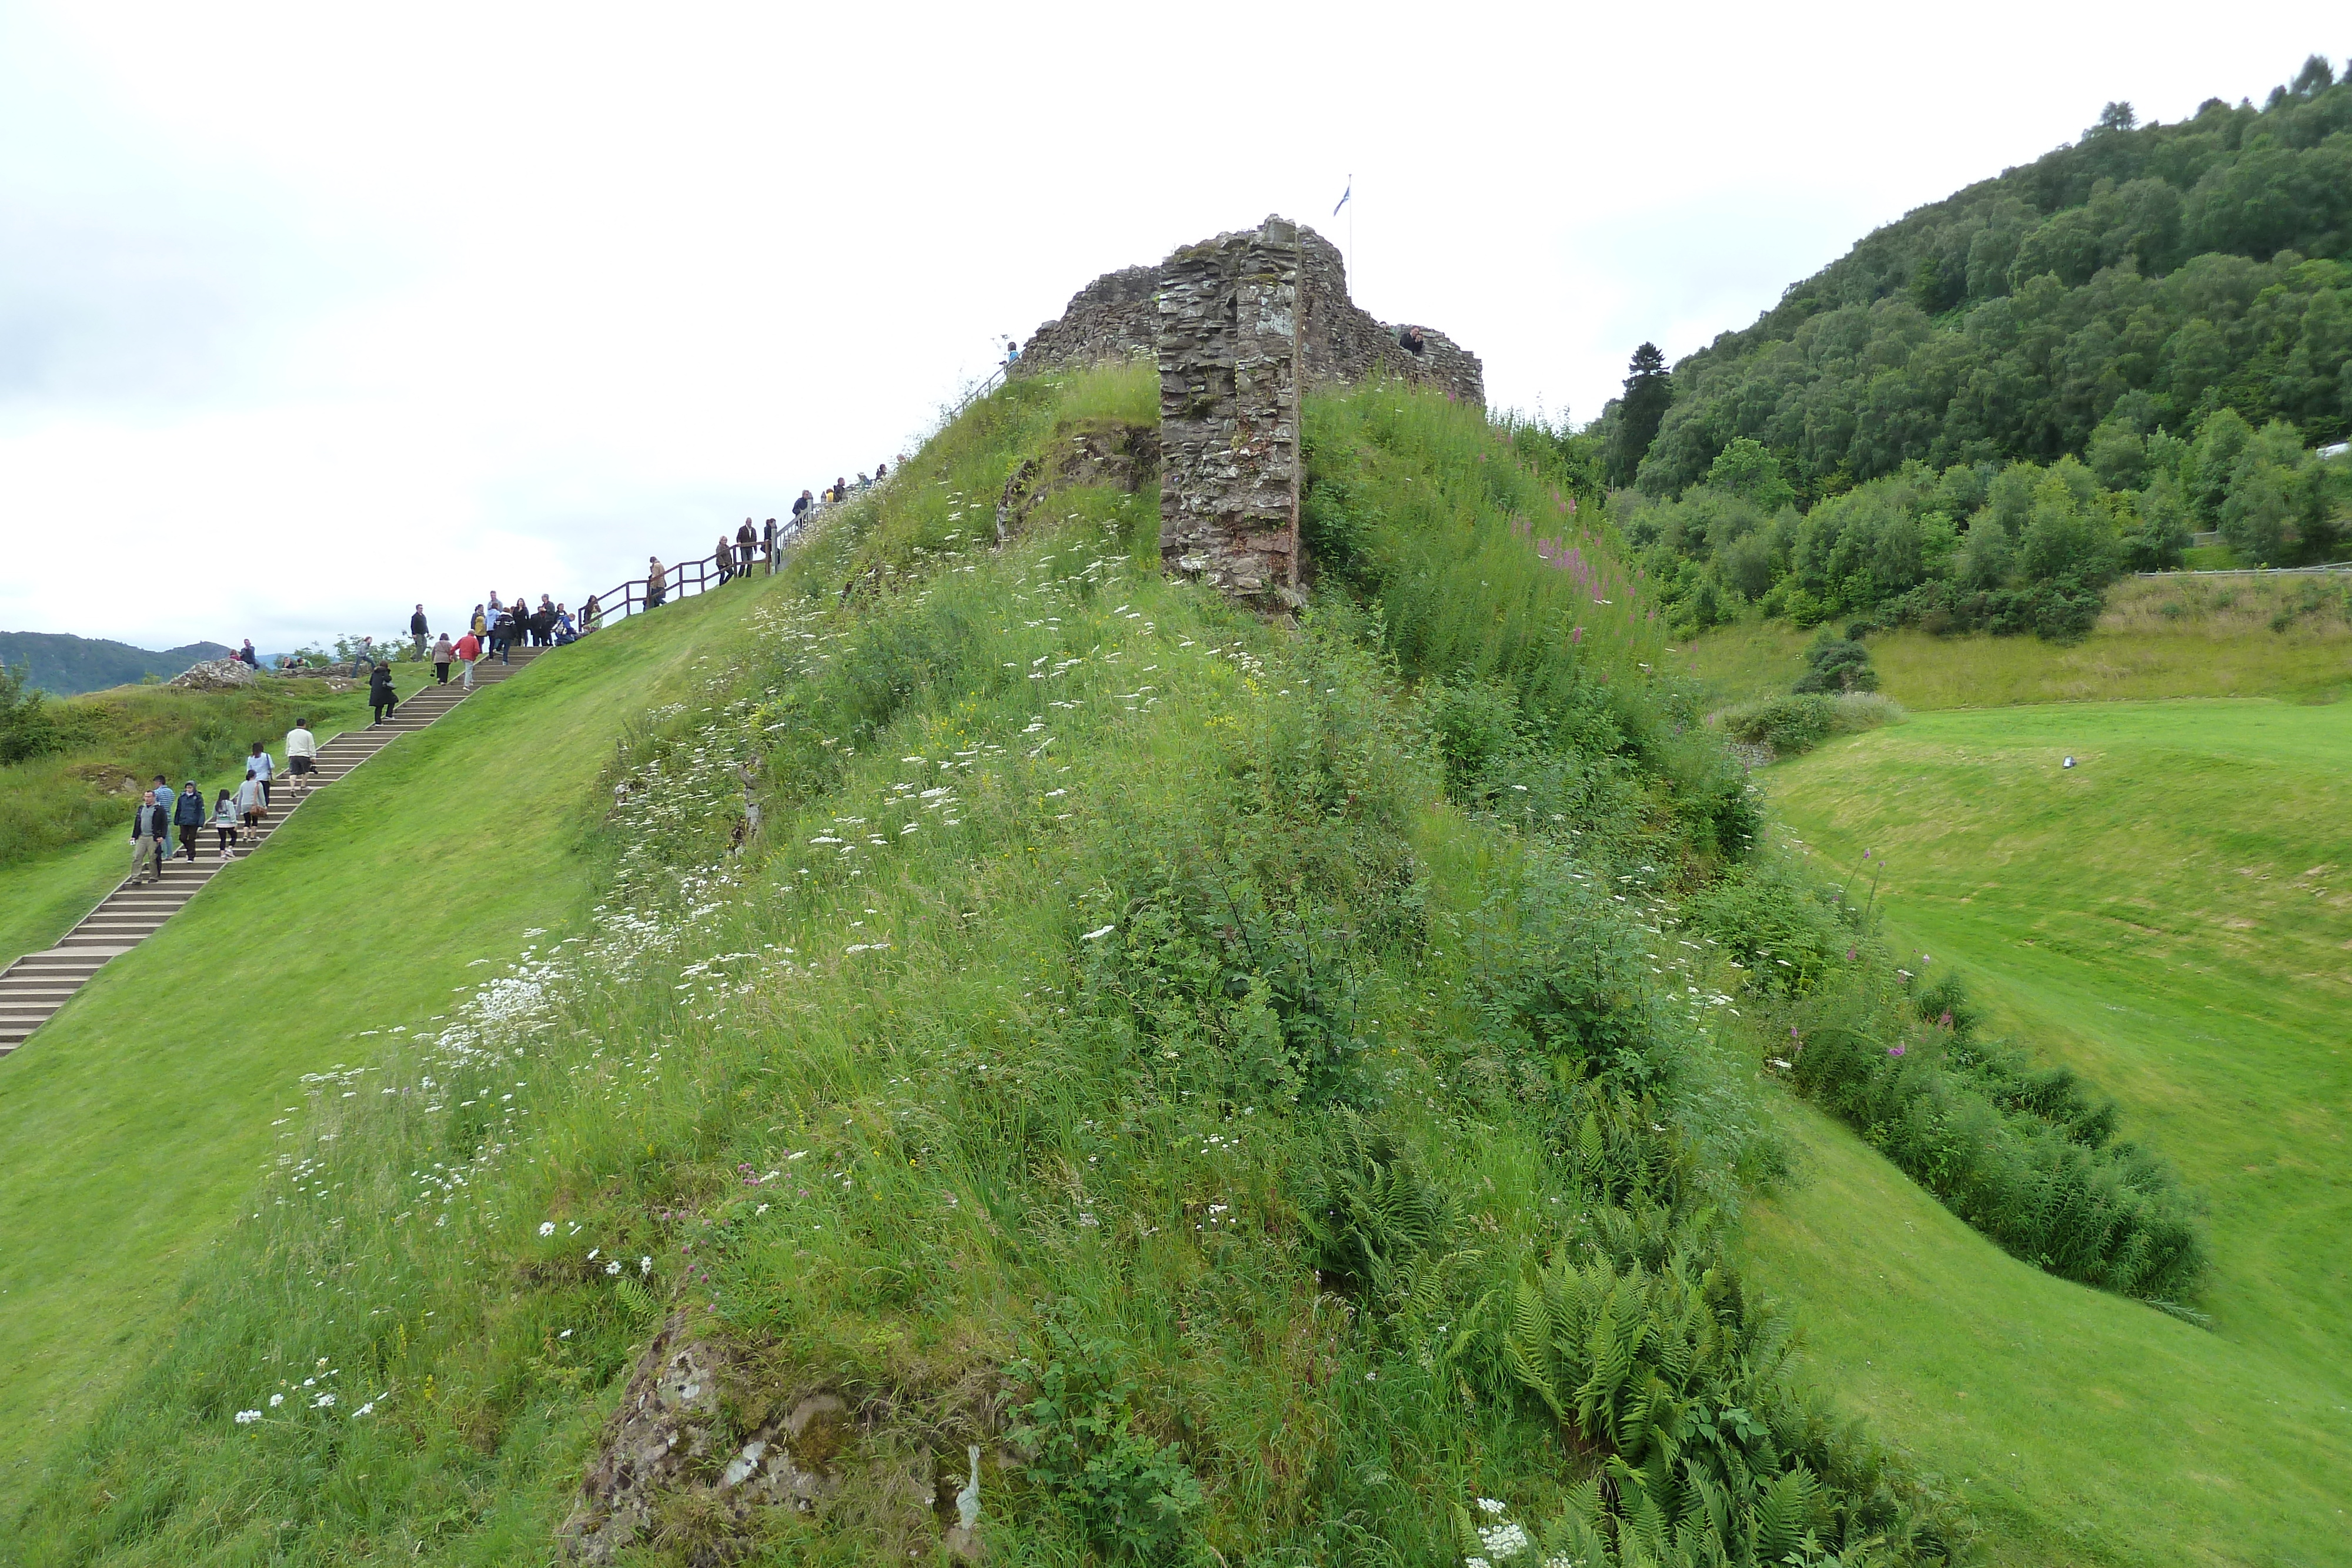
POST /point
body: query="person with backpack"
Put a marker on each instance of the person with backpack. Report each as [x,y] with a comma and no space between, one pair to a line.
[252,806]
[302,750]
[151,824]
[470,651]
[380,697]
[188,816]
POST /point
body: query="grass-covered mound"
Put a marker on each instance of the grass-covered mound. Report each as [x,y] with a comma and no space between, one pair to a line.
[134,1126]
[2162,917]
[1220,1073]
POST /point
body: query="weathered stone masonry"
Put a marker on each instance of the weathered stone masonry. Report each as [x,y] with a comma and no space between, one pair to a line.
[1229,351]
[1240,326]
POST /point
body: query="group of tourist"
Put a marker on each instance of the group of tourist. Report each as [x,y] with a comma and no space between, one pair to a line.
[169,823]
[494,628]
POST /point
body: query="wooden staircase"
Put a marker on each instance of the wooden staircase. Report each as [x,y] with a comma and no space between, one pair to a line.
[38,984]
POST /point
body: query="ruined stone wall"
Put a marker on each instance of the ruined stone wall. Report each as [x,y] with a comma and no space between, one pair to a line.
[1241,325]
[1114,318]
[1229,350]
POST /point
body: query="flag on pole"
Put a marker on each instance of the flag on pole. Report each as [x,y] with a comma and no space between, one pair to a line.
[1344,196]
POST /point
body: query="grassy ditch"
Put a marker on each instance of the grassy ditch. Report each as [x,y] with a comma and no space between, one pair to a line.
[1158,1050]
[2164,917]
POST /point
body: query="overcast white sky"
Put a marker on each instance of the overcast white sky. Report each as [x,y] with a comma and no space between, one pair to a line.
[309,312]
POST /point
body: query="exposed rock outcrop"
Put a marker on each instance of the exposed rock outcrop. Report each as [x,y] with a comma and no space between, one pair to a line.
[215,676]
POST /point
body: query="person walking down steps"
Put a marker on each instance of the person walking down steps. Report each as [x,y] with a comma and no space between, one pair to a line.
[188,816]
[166,796]
[302,752]
[380,695]
[656,582]
[151,824]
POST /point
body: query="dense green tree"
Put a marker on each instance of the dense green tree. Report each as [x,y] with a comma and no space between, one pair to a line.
[1649,389]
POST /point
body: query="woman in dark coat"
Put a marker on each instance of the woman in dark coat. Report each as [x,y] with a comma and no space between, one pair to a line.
[380,695]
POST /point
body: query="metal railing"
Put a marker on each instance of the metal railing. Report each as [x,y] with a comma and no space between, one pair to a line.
[686,578]
[2253,570]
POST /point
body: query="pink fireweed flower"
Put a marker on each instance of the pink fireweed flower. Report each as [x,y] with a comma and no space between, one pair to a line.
[1894,1050]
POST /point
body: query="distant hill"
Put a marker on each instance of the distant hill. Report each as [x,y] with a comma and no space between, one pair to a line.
[2145,278]
[64,664]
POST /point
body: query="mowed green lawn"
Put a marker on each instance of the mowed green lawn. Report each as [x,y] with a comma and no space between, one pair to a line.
[43,898]
[2173,916]
[134,1126]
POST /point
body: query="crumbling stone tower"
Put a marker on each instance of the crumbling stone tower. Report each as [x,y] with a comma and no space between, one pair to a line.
[1241,325]
[1228,343]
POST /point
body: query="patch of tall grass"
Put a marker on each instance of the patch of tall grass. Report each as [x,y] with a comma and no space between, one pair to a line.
[1111,1050]
[2027,1157]
[1794,723]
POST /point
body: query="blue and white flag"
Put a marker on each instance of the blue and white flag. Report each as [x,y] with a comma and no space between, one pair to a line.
[1345,194]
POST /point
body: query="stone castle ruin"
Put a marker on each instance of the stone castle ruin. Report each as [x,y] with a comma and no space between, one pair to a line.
[1241,325]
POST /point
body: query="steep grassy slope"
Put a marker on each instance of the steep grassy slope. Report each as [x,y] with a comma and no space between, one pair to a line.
[1220,1080]
[43,895]
[133,1127]
[73,793]
[2165,916]
[2227,637]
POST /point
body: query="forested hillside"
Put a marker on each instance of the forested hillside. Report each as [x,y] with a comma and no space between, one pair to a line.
[63,664]
[2138,336]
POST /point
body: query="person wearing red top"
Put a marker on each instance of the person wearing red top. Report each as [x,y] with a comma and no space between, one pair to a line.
[469,649]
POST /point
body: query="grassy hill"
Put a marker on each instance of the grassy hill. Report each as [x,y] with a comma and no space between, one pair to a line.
[1220,1072]
[2164,916]
[145,1112]
[63,664]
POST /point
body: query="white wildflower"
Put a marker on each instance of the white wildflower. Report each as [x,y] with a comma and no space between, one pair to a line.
[547,1228]
[275,1400]
[245,1418]
[1098,931]
[1491,1507]
[644,1265]
[613,1267]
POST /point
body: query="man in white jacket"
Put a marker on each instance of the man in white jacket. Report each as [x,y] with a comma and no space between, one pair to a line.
[301,757]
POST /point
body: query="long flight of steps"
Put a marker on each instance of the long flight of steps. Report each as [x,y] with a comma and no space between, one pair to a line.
[38,984]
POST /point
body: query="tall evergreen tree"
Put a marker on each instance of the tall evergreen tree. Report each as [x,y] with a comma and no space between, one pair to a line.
[1648,389]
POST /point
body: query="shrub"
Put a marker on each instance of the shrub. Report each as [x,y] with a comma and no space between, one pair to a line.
[1132,1496]
[2025,1157]
[1837,664]
[1798,722]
